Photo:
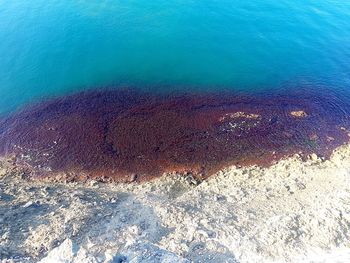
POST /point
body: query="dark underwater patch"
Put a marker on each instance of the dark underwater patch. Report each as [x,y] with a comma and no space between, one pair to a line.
[124,135]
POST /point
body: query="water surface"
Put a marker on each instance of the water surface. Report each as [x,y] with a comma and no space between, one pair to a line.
[54,47]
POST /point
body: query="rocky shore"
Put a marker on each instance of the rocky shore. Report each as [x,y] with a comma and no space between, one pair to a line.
[293,211]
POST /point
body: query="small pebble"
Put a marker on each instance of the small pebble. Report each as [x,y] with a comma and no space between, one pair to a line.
[113,200]
[93,183]
[28,204]
[313,157]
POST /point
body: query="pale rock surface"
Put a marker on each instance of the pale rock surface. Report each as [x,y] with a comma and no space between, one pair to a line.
[294,211]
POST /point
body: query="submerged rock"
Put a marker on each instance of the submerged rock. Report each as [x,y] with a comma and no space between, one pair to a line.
[299,114]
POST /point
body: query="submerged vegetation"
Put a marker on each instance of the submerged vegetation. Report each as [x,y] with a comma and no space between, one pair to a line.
[124,135]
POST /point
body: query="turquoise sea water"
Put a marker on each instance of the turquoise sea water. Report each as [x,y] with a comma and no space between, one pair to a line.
[53,47]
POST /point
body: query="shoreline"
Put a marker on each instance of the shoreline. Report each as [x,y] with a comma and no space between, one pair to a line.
[292,211]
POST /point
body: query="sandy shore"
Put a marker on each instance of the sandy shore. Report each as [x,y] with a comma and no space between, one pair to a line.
[294,211]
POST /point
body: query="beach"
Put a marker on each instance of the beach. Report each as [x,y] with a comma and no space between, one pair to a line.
[293,211]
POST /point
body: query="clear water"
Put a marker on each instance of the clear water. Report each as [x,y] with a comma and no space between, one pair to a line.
[53,47]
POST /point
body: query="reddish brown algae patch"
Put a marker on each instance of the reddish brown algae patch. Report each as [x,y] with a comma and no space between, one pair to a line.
[124,136]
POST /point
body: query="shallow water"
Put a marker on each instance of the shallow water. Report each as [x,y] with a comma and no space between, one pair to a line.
[54,47]
[134,136]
